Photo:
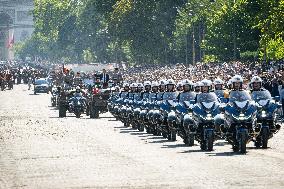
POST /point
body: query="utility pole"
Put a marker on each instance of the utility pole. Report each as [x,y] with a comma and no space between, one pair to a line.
[193,46]
[186,47]
[234,35]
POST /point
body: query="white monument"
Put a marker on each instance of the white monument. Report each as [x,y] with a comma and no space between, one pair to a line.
[16,25]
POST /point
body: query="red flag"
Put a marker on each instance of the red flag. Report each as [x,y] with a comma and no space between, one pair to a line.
[11,41]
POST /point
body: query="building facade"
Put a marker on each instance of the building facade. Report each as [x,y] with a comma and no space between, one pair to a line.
[16,25]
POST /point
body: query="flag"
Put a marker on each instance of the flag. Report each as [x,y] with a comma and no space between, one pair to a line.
[11,41]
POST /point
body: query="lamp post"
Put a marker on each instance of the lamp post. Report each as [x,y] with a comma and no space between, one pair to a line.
[193,39]
[234,36]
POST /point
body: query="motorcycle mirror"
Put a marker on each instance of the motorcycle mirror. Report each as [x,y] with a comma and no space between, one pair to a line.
[278,105]
[276,98]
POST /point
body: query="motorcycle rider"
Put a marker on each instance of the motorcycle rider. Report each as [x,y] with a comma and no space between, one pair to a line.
[162,88]
[218,86]
[77,93]
[256,84]
[237,83]
[197,87]
[206,86]
[187,92]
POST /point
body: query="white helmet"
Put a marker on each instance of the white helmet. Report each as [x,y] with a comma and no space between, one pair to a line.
[256,79]
[187,82]
[147,83]
[78,88]
[237,78]
[179,84]
[206,83]
[133,85]
[163,82]
[218,81]
[155,84]
[140,85]
[126,85]
[229,82]
[171,82]
[198,84]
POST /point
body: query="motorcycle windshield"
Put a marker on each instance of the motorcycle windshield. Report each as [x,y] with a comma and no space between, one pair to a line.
[261,95]
[207,97]
[187,96]
[239,96]
[169,96]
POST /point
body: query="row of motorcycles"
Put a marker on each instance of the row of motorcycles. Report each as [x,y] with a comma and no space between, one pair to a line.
[203,116]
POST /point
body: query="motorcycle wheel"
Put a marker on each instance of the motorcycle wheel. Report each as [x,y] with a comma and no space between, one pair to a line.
[95,114]
[126,124]
[164,134]
[78,115]
[210,140]
[141,127]
[264,137]
[203,145]
[243,141]
[62,111]
[148,130]
[173,135]
[191,140]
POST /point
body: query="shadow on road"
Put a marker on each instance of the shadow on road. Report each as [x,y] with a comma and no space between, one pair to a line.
[173,146]
[222,154]
[191,151]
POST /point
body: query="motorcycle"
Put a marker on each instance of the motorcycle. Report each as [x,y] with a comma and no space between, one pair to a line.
[165,108]
[179,110]
[202,126]
[77,105]
[266,117]
[240,120]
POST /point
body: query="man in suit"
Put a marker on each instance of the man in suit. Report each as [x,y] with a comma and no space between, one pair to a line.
[104,77]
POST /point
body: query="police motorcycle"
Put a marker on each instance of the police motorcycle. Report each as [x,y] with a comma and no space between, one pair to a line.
[218,86]
[119,106]
[127,108]
[240,117]
[136,108]
[165,107]
[148,112]
[267,112]
[200,123]
[184,102]
[144,106]
[114,96]
[77,103]
[154,114]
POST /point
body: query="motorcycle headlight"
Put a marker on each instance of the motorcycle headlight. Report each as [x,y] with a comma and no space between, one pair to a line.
[242,117]
[263,114]
[209,117]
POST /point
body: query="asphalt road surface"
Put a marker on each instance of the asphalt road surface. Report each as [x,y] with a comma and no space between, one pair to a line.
[40,150]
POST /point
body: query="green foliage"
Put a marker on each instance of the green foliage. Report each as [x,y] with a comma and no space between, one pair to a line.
[157,31]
